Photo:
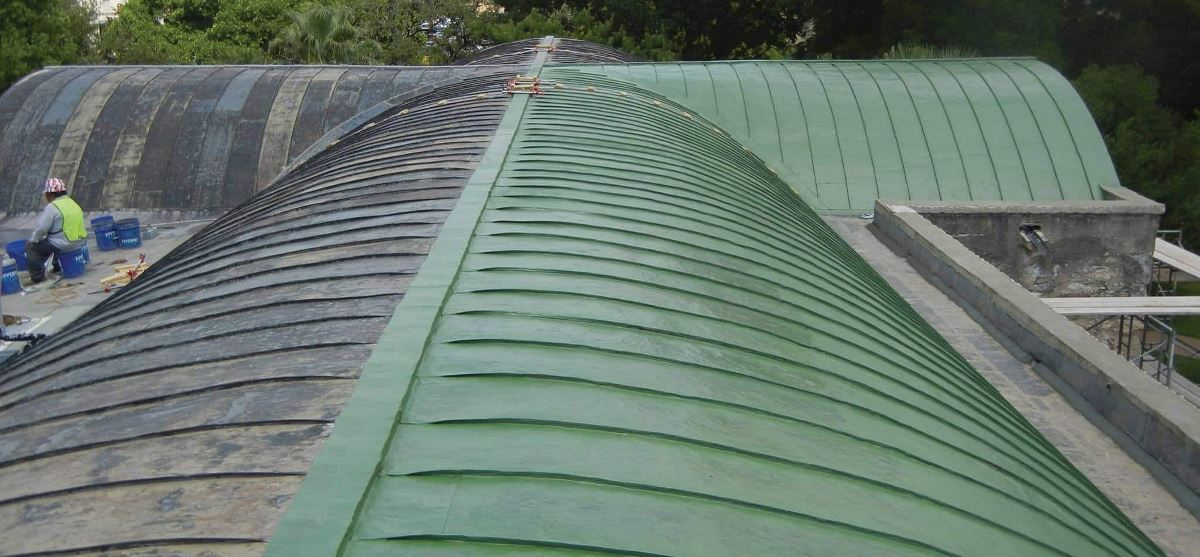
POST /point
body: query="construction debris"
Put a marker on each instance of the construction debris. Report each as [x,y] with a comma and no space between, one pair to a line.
[526,84]
[124,274]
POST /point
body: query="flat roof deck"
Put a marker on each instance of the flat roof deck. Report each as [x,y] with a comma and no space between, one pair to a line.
[52,305]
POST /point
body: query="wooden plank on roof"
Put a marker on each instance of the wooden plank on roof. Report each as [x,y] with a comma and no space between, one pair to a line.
[1177,257]
[1134,305]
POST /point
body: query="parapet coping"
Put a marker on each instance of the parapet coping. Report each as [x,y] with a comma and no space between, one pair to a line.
[1148,420]
[1117,201]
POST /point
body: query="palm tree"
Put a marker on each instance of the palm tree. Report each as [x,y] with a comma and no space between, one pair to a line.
[913,50]
[321,35]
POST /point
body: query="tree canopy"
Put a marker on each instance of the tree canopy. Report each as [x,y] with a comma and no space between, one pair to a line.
[322,35]
[1134,61]
[36,33]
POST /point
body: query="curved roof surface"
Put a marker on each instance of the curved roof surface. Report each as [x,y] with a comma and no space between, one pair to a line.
[844,133]
[627,335]
[563,51]
[633,338]
[180,137]
[180,415]
[204,137]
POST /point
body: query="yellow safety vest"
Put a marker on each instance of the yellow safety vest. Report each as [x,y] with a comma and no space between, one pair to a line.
[72,218]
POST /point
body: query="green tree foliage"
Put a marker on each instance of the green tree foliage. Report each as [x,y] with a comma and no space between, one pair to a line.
[1116,93]
[405,29]
[697,30]
[1148,114]
[993,28]
[250,23]
[865,29]
[912,50]
[170,32]
[1156,152]
[1160,36]
[36,33]
[581,24]
[1133,61]
[320,34]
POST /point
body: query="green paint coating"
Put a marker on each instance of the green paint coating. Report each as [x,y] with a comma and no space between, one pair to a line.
[651,346]
[323,511]
[845,133]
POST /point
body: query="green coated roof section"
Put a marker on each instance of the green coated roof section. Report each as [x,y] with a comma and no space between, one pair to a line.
[634,338]
[844,133]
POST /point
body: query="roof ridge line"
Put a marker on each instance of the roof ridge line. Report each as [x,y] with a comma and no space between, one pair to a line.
[324,512]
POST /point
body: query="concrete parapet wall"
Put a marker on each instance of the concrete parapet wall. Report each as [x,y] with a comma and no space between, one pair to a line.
[1094,248]
[1146,416]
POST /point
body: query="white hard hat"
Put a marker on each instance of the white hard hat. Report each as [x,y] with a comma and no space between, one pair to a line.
[54,185]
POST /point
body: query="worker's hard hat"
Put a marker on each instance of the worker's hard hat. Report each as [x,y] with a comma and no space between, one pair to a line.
[54,185]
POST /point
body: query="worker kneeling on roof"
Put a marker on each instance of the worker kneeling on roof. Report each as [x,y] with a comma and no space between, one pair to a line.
[59,230]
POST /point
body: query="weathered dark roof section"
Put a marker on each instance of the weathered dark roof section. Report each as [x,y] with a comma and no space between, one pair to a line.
[180,415]
[181,137]
[571,51]
[516,52]
[564,51]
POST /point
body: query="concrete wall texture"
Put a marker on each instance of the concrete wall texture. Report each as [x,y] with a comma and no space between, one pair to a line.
[1093,248]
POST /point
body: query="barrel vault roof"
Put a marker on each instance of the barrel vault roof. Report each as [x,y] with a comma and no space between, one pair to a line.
[180,137]
[559,51]
[638,340]
[598,320]
[845,133]
[842,133]
[181,414]
[205,137]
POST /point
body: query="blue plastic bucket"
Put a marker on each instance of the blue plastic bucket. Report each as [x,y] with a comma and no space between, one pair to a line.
[73,263]
[129,233]
[16,250]
[10,283]
[106,233]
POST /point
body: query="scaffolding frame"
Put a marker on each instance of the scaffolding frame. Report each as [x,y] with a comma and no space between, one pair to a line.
[1140,348]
